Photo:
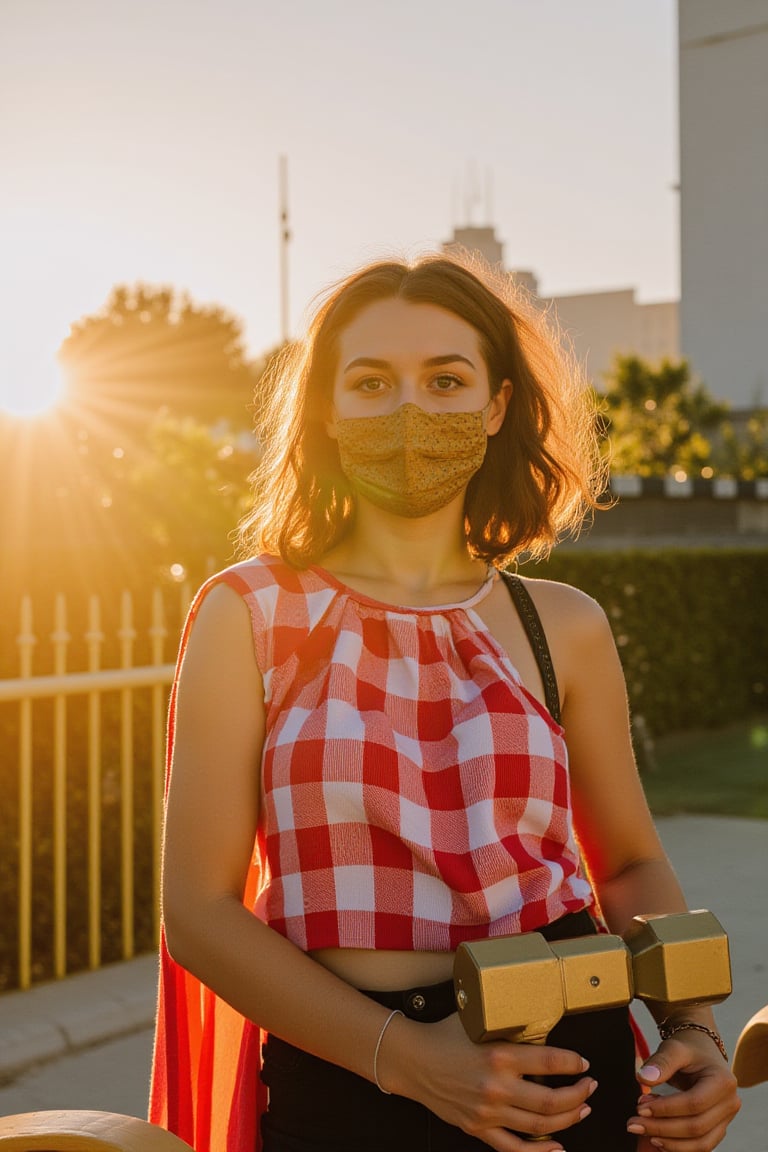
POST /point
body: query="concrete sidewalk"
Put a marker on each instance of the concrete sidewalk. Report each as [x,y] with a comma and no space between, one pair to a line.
[54,1020]
[61,1043]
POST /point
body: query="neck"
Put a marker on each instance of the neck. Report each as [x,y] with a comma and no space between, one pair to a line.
[413,555]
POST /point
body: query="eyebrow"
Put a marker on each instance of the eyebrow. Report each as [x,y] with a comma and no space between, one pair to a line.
[432,362]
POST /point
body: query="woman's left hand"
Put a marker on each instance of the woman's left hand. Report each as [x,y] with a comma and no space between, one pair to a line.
[694,1118]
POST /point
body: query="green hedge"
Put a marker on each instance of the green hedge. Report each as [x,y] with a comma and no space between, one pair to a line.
[691,628]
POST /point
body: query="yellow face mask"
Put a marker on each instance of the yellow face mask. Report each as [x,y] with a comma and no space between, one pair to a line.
[412,462]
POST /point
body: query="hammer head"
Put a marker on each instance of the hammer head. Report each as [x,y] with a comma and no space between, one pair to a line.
[518,987]
[679,958]
[508,987]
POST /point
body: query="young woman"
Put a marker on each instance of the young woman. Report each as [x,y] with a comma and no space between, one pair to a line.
[375,755]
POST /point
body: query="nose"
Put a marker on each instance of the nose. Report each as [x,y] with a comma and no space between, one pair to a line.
[406,392]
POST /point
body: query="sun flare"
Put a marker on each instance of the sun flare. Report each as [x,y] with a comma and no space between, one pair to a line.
[31,384]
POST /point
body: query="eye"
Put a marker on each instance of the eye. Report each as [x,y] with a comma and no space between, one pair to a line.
[447,382]
[370,385]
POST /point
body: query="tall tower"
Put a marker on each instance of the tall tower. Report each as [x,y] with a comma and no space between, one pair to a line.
[484,241]
[724,195]
[475,238]
[285,238]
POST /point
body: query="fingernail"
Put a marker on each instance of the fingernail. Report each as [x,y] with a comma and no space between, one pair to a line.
[585,1111]
[656,1142]
[592,1087]
[644,1112]
[636,1129]
[650,1072]
[584,1064]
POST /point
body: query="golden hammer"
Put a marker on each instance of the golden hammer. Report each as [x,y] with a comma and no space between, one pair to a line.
[518,987]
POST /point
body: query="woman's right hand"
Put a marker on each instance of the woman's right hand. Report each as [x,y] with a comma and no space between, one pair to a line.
[480,1087]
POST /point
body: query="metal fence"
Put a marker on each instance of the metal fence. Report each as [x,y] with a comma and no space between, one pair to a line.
[91,682]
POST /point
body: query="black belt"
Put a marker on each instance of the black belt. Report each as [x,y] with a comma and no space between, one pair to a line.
[434,1002]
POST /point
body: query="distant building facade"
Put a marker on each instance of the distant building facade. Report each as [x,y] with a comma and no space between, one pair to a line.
[604,324]
[600,325]
[724,195]
[659,512]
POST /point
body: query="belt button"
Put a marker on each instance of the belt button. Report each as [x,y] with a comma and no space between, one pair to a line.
[417,1003]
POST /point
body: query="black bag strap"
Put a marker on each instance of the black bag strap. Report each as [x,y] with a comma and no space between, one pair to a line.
[531,621]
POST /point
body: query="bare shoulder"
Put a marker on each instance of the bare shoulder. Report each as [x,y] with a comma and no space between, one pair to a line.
[221,604]
[221,630]
[219,705]
[580,639]
[566,610]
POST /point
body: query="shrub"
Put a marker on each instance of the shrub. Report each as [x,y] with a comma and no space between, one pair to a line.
[690,626]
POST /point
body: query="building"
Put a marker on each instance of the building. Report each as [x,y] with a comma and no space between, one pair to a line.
[721,321]
[604,324]
[724,195]
[600,325]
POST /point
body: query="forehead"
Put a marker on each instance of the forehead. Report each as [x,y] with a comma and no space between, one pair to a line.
[400,330]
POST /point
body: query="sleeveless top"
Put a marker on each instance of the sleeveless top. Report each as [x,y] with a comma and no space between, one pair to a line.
[415,794]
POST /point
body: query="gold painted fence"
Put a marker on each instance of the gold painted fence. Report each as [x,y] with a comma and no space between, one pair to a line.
[91,682]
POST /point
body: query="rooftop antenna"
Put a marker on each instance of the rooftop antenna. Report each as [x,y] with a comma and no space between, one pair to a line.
[285,237]
[455,200]
[473,192]
[469,192]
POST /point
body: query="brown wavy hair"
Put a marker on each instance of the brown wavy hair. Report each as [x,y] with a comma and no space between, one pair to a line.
[541,474]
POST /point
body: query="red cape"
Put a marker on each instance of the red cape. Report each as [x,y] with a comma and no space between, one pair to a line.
[205,1085]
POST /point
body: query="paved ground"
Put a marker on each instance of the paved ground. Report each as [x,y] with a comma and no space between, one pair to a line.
[86,1042]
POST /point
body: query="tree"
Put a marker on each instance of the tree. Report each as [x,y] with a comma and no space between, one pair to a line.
[658,420]
[743,452]
[186,494]
[151,349]
[145,463]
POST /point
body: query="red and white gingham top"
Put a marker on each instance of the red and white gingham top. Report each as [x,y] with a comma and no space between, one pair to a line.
[415,793]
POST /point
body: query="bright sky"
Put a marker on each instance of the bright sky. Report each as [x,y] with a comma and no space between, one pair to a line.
[140,141]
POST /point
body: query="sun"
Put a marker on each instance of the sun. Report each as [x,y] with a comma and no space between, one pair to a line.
[31,384]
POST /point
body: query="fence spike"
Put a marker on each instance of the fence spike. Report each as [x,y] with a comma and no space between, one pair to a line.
[60,637]
[94,637]
[158,630]
[26,639]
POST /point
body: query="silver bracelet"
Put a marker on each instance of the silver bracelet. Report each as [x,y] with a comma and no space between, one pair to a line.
[385,1025]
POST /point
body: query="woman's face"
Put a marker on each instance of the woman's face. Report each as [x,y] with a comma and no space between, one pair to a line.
[396,352]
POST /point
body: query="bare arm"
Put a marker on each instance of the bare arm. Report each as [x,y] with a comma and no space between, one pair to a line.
[211,819]
[630,871]
[626,860]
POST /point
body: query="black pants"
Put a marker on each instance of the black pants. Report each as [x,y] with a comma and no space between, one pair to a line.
[315,1106]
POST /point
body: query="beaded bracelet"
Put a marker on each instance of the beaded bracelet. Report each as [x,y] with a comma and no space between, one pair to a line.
[384,1027]
[667,1031]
